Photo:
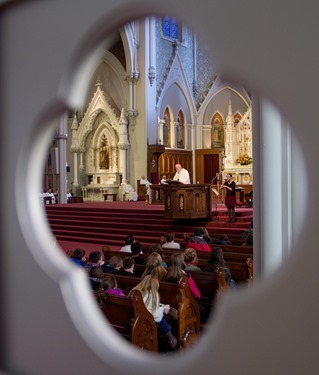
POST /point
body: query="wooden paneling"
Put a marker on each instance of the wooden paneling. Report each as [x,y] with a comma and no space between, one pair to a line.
[199,155]
[169,158]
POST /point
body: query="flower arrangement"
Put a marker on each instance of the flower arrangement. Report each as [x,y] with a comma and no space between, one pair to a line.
[244,160]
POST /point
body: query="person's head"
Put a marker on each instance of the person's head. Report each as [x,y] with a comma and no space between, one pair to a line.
[116,262]
[143,178]
[105,248]
[136,248]
[190,256]
[95,257]
[128,264]
[178,167]
[170,235]
[176,267]
[70,253]
[108,282]
[129,239]
[79,254]
[96,272]
[229,176]
[154,266]
[164,177]
[199,232]
[156,249]
[216,257]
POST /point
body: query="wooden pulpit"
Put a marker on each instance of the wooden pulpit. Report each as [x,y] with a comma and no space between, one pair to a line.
[183,201]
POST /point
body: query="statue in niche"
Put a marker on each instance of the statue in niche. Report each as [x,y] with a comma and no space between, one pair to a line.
[104,154]
[217,134]
[166,131]
[180,141]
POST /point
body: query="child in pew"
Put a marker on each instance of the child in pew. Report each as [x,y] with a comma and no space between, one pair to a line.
[114,265]
[216,260]
[197,242]
[136,249]
[109,286]
[158,249]
[128,267]
[95,277]
[154,267]
[176,270]
[169,241]
[95,259]
[191,260]
[78,257]
[149,287]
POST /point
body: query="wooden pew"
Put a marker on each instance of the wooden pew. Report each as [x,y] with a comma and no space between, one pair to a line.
[179,297]
[239,259]
[131,319]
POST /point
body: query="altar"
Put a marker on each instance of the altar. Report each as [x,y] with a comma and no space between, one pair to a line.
[95,193]
[183,201]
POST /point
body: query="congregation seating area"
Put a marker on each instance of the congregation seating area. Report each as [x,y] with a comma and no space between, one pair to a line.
[93,226]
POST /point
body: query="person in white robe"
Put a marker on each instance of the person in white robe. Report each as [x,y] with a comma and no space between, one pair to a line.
[181,174]
[128,191]
[145,181]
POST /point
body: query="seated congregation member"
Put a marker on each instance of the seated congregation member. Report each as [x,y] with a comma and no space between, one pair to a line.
[154,266]
[158,249]
[197,242]
[149,287]
[136,249]
[216,260]
[191,260]
[176,270]
[95,259]
[109,285]
[78,257]
[170,241]
[105,249]
[128,242]
[223,240]
[247,236]
[128,267]
[95,276]
[113,266]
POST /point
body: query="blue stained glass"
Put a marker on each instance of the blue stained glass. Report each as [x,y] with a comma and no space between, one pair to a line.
[174,31]
[166,26]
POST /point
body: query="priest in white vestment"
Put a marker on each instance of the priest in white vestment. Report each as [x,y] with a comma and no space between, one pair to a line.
[128,191]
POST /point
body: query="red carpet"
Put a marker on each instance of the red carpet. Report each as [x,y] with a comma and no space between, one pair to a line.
[90,225]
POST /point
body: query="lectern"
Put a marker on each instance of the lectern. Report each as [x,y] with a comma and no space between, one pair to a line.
[187,201]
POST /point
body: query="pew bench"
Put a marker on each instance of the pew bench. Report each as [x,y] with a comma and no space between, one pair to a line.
[179,297]
[130,318]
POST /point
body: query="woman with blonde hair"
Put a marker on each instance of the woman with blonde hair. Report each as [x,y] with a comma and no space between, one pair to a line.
[149,287]
[154,266]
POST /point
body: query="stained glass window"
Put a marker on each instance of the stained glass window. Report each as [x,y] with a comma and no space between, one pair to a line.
[171,28]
